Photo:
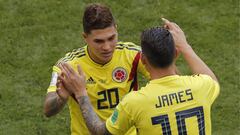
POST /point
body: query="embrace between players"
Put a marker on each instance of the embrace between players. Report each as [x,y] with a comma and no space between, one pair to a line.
[93,80]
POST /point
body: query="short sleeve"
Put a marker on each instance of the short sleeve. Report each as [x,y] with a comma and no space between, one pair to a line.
[210,88]
[120,121]
[52,87]
[141,69]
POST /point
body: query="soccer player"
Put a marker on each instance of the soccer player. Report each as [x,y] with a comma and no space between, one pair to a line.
[169,104]
[110,67]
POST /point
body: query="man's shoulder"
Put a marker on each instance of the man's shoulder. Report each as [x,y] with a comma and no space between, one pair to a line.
[198,80]
[70,56]
[197,77]
[130,46]
[133,97]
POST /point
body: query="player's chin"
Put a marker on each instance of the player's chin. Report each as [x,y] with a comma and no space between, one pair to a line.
[107,55]
[106,58]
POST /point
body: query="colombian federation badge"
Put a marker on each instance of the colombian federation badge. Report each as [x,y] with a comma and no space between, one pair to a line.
[119,74]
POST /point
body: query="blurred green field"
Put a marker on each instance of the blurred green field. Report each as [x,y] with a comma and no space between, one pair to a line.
[34,34]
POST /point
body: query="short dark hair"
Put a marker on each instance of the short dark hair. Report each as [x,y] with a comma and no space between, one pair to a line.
[158,46]
[97,16]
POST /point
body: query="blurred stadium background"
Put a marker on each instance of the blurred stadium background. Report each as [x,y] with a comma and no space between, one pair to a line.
[34,34]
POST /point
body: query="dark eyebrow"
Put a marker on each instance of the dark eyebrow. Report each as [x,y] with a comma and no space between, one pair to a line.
[98,40]
[112,36]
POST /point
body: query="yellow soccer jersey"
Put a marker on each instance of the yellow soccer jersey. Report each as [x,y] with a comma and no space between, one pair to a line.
[106,84]
[173,105]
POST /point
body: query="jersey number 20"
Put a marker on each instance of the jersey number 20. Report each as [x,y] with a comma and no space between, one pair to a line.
[108,95]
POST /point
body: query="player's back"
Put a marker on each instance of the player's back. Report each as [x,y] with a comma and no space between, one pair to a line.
[173,105]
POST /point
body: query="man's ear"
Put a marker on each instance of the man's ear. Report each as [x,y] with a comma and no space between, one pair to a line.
[145,62]
[84,36]
[177,53]
[143,59]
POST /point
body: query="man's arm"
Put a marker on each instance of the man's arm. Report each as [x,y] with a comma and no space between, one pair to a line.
[94,124]
[53,104]
[55,101]
[195,63]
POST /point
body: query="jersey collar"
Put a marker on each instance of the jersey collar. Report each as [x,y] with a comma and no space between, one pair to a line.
[164,79]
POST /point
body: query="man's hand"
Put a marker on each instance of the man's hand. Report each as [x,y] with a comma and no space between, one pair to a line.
[72,81]
[178,35]
[194,62]
[61,90]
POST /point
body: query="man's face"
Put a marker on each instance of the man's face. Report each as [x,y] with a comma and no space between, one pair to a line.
[101,44]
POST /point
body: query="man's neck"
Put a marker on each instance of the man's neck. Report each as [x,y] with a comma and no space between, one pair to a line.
[95,59]
[157,73]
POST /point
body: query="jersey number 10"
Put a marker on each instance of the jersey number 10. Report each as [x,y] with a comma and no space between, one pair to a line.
[180,117]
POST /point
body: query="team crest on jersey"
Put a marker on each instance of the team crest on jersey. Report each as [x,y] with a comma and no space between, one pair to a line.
[119,74]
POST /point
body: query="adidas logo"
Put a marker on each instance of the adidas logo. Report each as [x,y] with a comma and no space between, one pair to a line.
[90,81]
